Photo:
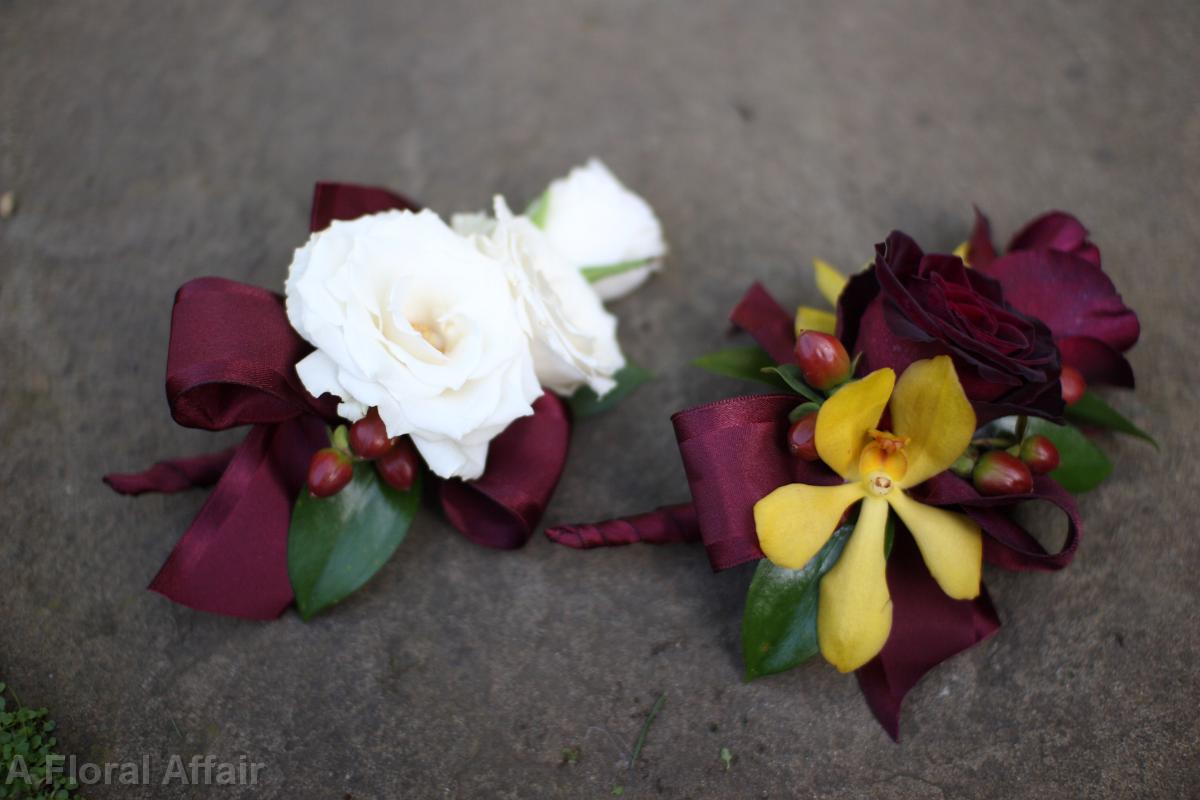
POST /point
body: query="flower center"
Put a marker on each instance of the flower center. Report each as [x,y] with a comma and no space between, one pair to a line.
[883,462]
[431,335]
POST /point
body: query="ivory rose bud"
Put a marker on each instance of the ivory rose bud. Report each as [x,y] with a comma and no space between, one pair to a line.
[574,340]
[409,317]
[596,223]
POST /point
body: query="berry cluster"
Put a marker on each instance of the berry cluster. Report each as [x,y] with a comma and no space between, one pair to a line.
[1007,470]
[332,468]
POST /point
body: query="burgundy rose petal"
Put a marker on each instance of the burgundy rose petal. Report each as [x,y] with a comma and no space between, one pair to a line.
[856,297]
[911,306]
[1055,230]
[1068,294]
[980,251]
[1098,362]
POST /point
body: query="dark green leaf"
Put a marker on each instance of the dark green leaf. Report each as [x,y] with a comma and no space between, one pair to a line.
[1082,465]
[585,403]
[594,274]
[746,363]
[337,543]
[790,375]
[802,410]
[1092,410]
[779,626]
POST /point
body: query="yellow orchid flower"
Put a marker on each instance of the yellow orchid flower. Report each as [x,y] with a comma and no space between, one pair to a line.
[932,424]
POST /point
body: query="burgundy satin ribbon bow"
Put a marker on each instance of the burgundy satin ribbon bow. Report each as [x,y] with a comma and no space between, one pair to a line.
[734,454]
[231,361]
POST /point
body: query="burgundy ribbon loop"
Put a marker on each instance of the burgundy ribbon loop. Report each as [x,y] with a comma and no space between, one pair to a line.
[1006,543]
[734,454]
[350,201]
[232,358]
[503,507]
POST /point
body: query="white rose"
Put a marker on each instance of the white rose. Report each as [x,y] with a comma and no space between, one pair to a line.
[574,339]
[596,222]
[407,316]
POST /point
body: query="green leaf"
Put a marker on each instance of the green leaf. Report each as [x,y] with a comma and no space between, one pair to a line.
[803,410]
[1082,465]
[538,209]
[746,363]
[790,374]
[337,543]
[585,403]
[594,274]
[1092,410]
[779,626]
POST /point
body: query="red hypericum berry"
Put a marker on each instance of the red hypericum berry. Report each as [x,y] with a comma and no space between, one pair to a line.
[398,466]
[822,359]
[1073,385]
[1039,454]
[368,436]
[801,437]
[329,472]
[998,472]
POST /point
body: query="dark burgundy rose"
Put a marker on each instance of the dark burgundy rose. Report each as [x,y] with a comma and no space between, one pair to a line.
[910,306]
[1051,271]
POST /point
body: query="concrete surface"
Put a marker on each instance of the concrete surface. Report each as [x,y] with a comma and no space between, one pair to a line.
[148,143]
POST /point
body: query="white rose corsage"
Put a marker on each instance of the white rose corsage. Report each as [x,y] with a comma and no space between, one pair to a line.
[402,343]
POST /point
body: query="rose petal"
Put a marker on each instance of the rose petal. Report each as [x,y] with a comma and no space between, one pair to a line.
[1068,294]
[980,251]
[1098,362]
[1054,230]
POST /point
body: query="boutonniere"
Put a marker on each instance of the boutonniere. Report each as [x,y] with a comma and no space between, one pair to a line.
[939,395]
[407,356]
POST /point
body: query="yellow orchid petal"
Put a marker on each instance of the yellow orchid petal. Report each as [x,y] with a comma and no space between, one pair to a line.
[845,418]
[829,281]
[795,521]
[814,319]
[854,615]
[930,407]
[951,544]
[961,252]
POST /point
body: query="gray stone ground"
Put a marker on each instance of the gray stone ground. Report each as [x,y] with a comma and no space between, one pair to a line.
[152,142]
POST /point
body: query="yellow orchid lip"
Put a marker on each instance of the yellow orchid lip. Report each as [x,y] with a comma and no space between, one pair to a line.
[883,463]
[882,467]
